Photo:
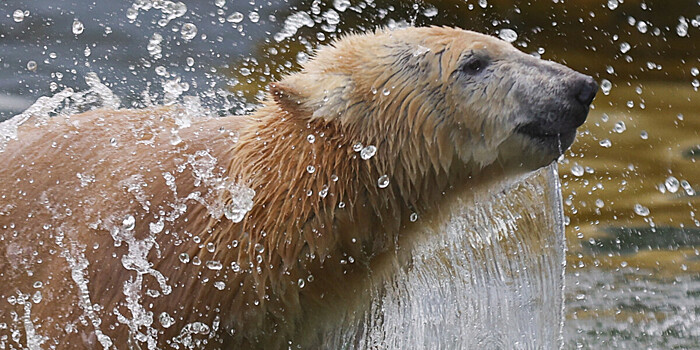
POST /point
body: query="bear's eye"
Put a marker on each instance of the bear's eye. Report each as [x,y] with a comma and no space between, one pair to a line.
[474,65]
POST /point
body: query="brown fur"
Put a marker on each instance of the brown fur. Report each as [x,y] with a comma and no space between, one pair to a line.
[329,229]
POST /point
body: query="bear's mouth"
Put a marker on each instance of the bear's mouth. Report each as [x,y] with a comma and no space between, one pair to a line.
[554,141]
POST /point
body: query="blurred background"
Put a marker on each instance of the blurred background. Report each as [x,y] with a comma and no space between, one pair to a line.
[630,182]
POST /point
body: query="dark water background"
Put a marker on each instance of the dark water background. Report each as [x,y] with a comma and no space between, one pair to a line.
[630,182]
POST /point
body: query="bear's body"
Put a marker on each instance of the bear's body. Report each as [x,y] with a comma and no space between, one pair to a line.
[140,230]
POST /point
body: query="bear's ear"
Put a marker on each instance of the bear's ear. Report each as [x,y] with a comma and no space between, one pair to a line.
[313,95]
[288,97]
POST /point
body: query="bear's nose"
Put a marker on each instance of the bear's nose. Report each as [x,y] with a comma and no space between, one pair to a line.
[587,88]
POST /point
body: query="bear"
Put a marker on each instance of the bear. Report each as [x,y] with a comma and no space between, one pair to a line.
[160,228]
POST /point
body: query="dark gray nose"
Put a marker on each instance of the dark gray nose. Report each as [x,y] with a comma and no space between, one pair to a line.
[587,88]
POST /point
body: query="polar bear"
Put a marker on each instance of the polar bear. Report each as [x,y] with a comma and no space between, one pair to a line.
[144,229]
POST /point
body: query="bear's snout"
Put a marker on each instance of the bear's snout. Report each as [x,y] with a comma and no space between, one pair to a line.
[553,119]
[587,89]
[584,91]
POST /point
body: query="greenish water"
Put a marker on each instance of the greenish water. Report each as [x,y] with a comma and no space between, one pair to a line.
[630,195]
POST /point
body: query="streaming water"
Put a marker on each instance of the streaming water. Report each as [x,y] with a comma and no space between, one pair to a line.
[491,277]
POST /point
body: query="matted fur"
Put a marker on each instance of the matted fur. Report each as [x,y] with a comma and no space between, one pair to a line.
[313,240]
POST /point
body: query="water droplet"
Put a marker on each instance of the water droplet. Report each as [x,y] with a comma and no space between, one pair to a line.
[219,285]
[508,35]
[413,217]
[341,205]
[620,127]
[641,210]
[383,181]
[341,5]
[357,147]
[165,320]
[672,184]
[199,328]
[31,66]
[259,248]
[323,192]
[642,27]
[220,3]
[36,298]
[190,61]
[310,169]
[301,283]
[211,247]
[241,203]
[235,17]
[156,227]
[368,152]
[331,17]
[214,265]
[606,143]
[688,188]
[254,17]
[577,170]
[625,47]
[235,267]
[430,12]
[188,31]
[184,258]
[605,86]
[483,3]
[129,222]
[311,138]
[694,71]
[78,27]
[599,203]
[644,135]
[38,284]
[18,16]
[175,138]
[682,27]
[612,4]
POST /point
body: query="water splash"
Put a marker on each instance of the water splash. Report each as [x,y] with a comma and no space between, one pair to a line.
[66,102]
[492,277]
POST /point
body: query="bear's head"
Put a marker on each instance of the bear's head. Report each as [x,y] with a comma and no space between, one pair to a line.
[463,94]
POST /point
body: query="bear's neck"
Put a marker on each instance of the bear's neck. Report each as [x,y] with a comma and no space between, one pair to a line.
[319,198]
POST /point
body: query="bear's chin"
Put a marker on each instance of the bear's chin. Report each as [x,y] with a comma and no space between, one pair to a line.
[555,145]
[526,153]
